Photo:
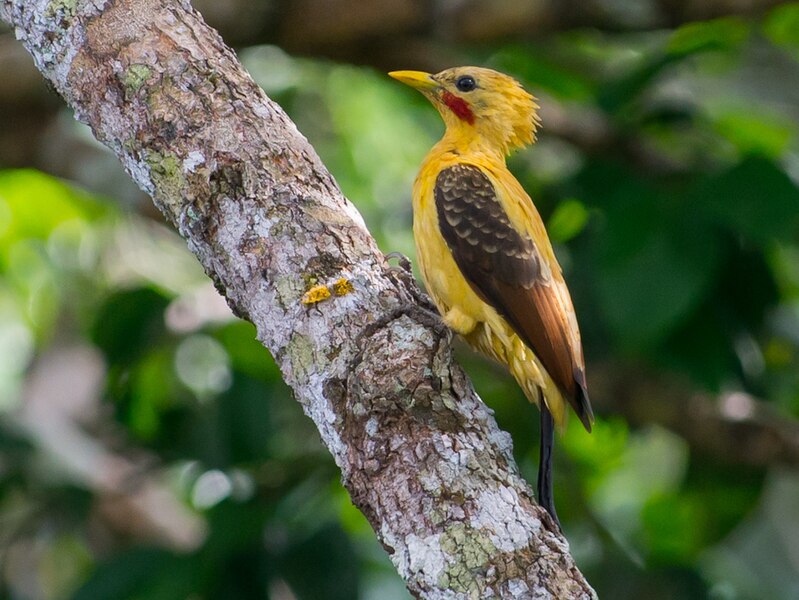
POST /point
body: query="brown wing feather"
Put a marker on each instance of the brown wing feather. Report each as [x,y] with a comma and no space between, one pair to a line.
[504,269]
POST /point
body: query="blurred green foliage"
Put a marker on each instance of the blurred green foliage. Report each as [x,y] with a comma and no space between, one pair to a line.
[668,179]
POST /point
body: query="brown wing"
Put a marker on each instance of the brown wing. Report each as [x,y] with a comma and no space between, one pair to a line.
[504,269]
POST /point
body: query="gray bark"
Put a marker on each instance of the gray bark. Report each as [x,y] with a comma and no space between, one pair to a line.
[420,454]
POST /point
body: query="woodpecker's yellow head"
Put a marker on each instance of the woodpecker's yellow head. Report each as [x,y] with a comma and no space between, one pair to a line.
[474,101]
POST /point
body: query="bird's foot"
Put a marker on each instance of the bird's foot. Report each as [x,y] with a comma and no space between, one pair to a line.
[403,262]
[413,311]
[420,314]
[403,273]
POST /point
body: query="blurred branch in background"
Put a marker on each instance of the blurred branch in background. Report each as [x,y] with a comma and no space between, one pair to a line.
[61,404]
[733,427]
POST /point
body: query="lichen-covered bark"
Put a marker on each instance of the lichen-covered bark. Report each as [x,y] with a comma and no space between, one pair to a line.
[420,454]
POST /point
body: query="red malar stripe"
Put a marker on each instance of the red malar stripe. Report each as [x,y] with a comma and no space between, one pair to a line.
[459,106]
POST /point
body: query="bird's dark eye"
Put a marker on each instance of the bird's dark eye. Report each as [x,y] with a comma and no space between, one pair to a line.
[465,83]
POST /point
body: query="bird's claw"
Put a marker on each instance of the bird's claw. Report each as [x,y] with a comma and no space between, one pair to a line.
[403,261]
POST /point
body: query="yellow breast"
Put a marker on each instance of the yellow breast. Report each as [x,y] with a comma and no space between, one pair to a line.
[441,275]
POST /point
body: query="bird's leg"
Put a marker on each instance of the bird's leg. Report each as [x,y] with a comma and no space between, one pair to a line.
[546,497]
[418,306]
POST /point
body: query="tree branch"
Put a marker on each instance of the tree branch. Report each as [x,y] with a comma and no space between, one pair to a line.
[420,454]
[65,383]
[733,427]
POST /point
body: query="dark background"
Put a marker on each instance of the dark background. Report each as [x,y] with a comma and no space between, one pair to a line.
[148,448]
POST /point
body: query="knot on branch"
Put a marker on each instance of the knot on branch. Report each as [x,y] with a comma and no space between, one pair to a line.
[398,391]
[402,370]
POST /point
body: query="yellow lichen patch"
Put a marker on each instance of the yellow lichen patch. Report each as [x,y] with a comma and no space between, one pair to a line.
[342,287]
[317,293]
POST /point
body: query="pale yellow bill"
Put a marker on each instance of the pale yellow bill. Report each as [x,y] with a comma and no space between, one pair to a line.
[416,79]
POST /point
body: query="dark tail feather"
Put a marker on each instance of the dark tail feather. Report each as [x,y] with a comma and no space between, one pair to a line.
[581,404]
[546,497]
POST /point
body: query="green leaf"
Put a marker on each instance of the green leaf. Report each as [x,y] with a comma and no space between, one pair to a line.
[541,73]
[627,488]
[755,199]
[598,453]
[332,555]
[755,133]
[647,295]
[729,494]
[616,95]
[245,417]
[33,204]
[152,391]
[701,347]
[673,528]
[247,354]
[568,220]
[718,34]
[782,26]
[655,264]
[125,576]
[747,289]
[129,323]
[235,528]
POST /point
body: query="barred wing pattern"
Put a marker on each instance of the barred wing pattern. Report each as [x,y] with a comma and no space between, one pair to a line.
[503,267]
